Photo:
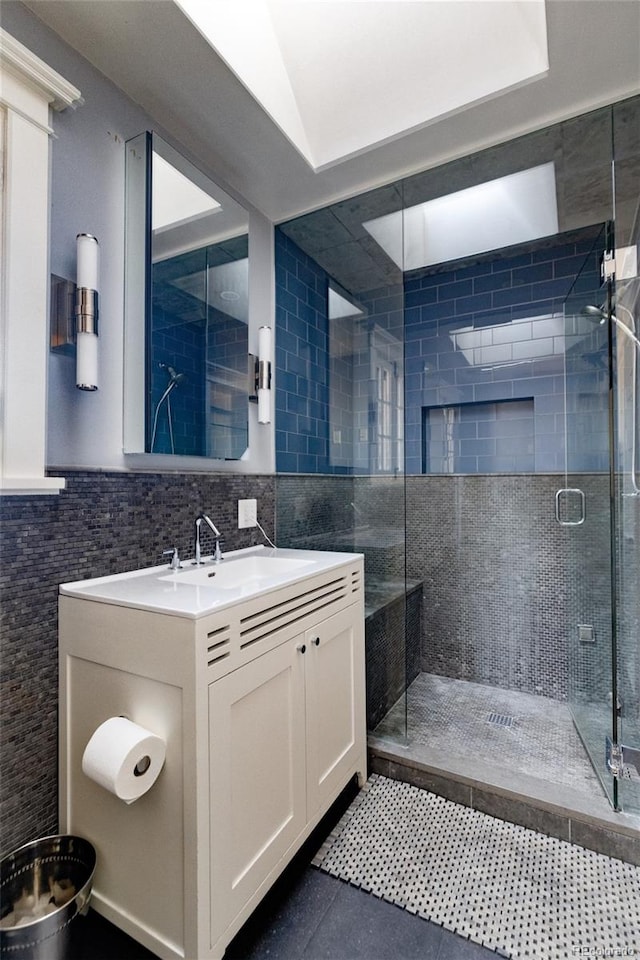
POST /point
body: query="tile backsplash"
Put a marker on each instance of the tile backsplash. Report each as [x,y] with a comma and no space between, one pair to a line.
[103,523]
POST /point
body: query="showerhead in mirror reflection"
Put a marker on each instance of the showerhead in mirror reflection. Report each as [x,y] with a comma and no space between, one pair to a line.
[175,379]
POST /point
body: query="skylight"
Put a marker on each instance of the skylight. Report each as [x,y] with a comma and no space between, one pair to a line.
[499,213]
[340,77]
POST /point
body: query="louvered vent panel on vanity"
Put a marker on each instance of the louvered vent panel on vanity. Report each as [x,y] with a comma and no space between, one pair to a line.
[262,625]
[356,580]
[218,644]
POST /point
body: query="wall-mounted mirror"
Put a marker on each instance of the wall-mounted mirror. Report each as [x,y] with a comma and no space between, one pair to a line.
[186,311]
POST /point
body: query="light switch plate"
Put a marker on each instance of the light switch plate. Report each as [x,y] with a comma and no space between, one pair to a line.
[247,514]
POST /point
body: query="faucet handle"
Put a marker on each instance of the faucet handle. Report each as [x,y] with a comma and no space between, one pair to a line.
[174,563]
[217,556]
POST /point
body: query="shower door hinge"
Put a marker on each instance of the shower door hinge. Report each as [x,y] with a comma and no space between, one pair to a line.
[622,762]
[608,266]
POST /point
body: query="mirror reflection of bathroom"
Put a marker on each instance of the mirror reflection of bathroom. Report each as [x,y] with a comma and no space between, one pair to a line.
[197,309]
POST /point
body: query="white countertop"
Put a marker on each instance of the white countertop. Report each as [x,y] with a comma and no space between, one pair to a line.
[242,574]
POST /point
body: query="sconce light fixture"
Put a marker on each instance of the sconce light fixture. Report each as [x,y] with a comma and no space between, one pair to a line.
[264,375]
[87,252]
[260,375]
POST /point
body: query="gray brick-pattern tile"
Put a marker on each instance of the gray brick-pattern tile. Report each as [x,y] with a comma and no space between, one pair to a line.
[497,575]
[103,523]
[392,641]
[363,515]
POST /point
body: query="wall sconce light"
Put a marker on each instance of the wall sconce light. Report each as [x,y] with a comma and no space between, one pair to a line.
[260,375]
[87,250]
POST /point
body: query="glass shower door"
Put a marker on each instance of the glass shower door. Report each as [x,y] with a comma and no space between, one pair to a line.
[584,510]
[626,141]
[340,419]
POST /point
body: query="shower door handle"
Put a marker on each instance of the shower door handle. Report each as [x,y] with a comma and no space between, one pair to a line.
[571,492]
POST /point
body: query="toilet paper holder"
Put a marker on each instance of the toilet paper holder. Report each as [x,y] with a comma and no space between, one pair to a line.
[124,758]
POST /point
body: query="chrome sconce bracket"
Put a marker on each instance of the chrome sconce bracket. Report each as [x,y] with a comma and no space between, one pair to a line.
[86,310]
[62,331]
[73,310]
[252,373]
[259,376]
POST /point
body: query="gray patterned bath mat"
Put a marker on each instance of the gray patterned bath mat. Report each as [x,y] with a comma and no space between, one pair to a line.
[522,894]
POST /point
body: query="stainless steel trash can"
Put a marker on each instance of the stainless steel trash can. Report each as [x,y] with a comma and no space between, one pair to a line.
[43,886]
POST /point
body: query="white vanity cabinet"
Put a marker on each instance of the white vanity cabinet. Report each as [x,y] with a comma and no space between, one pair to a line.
[287,728]
[262,707]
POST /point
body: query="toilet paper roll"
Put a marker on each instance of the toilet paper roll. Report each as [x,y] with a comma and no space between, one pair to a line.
[124,758]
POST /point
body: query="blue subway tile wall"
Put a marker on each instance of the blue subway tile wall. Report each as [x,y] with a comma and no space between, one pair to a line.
[486,340]
[380,351]
[209,406]
[226,400]
[302,362]
[480,340]
[192,336]
[341,391]
[479,438]
[182,346]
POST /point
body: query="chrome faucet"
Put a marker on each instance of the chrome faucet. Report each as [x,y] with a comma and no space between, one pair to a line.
[175,558]
[217,556]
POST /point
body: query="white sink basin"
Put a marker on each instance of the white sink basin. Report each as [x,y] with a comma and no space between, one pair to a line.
[238,572]
[195,591]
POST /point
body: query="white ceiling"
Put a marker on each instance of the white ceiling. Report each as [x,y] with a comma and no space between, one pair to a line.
[339,78]
[152,51]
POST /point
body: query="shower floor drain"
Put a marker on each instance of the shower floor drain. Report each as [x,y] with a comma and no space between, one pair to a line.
[501,720]
[518,892]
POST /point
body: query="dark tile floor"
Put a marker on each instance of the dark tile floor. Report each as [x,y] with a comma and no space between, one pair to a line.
[307,915]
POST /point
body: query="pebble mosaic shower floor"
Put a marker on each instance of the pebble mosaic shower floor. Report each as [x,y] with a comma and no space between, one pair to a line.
[518,892]
[522,732]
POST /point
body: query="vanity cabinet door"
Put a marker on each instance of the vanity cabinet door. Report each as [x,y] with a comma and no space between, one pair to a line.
[257,775]
[334,662]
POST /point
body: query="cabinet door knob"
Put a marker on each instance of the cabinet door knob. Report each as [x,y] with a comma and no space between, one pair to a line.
[316,640]
[301,648]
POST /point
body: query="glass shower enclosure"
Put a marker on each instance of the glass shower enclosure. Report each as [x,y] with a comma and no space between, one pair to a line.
[623,320]
[340,419]
[430,403]
[599,506]
[584,509]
